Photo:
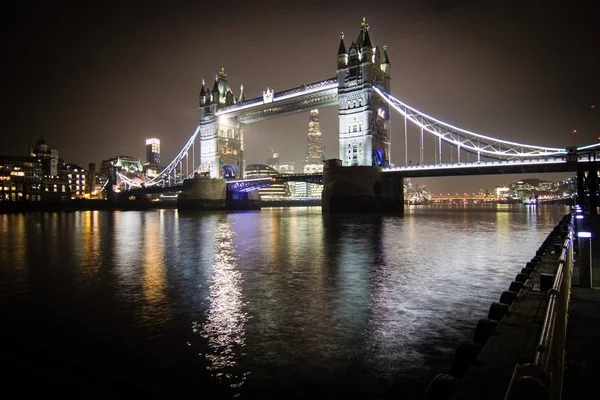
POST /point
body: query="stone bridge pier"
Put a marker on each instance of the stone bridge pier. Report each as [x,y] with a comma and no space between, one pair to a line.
[360,189]
[207,194]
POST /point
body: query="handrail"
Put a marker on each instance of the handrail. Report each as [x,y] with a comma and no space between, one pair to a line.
[547,368]
[547,336]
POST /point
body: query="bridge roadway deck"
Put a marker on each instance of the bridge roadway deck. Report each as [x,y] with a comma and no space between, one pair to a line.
[483,168]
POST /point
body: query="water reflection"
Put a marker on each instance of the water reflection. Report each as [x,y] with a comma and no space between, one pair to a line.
[91,241]
[275,244]
[359,255]
[127,244]
[342,307]
[224,325]
[13,241]
[156,308]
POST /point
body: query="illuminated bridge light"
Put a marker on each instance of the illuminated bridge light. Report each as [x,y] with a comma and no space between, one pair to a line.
[502,152]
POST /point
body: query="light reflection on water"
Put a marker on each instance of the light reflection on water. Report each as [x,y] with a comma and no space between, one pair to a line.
[288,302]
[156,307]
[225,317]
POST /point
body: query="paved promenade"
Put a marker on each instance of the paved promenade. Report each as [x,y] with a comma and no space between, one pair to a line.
[582,352]
[582,358]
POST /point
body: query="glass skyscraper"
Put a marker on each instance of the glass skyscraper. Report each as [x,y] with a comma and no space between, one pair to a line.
[315,148]
[315,154]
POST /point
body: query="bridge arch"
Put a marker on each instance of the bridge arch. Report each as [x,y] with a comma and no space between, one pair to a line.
[228,171]
[379,158]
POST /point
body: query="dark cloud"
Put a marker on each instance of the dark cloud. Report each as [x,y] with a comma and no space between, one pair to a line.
[96,78]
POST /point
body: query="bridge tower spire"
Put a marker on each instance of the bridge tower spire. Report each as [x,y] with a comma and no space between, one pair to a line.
[364,121]
[221,139]
[342,55]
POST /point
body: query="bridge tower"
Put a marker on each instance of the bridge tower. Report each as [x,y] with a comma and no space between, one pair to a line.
[364,120]
[221,139]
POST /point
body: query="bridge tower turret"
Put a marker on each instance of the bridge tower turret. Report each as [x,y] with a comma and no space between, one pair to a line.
[221,139]
[202,97]
[342,56]
[364,121]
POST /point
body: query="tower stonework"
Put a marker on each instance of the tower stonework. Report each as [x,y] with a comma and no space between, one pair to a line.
[221,139]
[364,121]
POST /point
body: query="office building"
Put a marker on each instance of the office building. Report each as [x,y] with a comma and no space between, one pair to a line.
[153,151]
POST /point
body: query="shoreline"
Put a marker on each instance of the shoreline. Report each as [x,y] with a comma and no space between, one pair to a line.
[144,205]
[124,205]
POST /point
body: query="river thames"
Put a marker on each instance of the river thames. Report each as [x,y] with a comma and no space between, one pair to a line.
[283,303]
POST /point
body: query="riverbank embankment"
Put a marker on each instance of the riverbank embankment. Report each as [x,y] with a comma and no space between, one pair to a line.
[509,337]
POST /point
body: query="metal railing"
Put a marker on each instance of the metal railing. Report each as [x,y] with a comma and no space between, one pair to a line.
[544,376]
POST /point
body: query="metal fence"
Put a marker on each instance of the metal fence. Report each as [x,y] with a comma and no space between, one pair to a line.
[542,378]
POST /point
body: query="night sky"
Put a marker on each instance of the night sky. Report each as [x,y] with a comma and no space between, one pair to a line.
[95,79]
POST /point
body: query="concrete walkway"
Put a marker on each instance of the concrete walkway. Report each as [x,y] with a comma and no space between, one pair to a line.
[582,358]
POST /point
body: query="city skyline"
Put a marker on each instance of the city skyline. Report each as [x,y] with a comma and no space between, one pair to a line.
[527,74]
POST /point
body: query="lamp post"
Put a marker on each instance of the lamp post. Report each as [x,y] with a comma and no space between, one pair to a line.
[584,240]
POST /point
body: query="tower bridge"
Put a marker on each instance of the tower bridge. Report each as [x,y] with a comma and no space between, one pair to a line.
[361,91]
[270,105]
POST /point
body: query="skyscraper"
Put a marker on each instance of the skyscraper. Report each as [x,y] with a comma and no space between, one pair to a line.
[153,151]
[315,149]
